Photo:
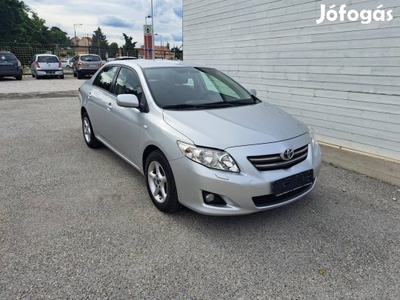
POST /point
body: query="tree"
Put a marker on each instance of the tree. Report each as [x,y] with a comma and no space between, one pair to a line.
[57,36]
[129,47]
[113,50]
[18,23]
[99,43]
[178,53]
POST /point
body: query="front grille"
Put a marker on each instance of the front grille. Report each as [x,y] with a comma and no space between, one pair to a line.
[275,162]
[269,200]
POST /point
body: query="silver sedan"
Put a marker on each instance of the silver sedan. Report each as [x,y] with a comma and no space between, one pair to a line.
[200,139]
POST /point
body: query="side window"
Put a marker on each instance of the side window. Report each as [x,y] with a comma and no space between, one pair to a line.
[105,77]
[128,83]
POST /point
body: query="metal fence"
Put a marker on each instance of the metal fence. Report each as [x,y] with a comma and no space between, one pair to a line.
[25,51]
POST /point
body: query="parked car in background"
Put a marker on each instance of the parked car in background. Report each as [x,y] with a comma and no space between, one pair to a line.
[10,66]
[46,65]
[125,57]
[86,64]
[199,138]
[67,63]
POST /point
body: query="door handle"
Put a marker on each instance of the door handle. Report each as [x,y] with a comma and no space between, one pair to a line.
[109,106]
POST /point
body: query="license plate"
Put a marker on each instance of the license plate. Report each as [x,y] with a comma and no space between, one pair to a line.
[50,72]
[292,183]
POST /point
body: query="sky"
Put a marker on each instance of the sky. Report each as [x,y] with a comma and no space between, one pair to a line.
[114,17]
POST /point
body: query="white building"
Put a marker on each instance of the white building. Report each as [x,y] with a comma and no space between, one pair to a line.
[341,76]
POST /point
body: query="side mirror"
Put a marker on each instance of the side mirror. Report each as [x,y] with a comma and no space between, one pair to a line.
[253,92]
[128,100]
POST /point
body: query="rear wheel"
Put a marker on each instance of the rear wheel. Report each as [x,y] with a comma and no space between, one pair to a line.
[79,75]
[161,183]
[88,133]
[62,77]
[19,77]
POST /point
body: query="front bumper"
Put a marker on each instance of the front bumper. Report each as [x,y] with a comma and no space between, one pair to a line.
[243,192]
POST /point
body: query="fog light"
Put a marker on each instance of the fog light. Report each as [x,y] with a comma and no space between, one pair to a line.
[213,199]
[209,198]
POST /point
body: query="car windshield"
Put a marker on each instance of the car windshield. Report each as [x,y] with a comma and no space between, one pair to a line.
[195,88]
[90,58]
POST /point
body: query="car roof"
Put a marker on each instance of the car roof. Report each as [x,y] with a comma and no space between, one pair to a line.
[89,54]
[44,54]
[148,63]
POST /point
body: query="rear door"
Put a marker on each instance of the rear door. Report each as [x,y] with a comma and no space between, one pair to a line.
[48,63]
[91,62]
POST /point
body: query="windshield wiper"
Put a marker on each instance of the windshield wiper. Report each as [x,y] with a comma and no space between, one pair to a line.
[199,106]
[180,106]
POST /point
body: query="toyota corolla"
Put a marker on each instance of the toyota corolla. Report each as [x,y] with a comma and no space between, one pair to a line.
[200,139]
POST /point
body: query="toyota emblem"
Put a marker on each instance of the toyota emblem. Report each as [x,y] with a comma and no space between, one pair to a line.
[287,154]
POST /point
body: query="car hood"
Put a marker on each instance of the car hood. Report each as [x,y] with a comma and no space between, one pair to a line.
[236,126]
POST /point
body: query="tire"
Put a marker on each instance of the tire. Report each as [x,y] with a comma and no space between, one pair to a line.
[160,183]
[37,76]
[19,77]
[74,74]
[88,133]
[62,77]
[79,75]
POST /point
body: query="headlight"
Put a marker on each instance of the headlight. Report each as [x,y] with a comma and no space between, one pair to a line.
[210,158]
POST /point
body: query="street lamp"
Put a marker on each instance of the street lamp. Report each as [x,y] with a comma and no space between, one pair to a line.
[79,24]
[145,19]
[160,44]
[152,32]
[161,38]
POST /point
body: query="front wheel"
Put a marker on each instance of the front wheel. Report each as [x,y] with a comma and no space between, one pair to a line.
[161,183]
[88,134]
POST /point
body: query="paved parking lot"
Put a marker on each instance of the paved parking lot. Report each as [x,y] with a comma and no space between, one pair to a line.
[77,223]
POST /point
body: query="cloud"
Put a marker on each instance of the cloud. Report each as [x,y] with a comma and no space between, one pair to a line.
[178,12]
[114,21]
[176,37]
[113,17]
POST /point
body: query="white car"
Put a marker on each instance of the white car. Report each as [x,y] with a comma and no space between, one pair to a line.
[46,65]
[200,139]
[67,63]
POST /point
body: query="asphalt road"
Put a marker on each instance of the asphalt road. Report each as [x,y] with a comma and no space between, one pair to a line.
[77,223]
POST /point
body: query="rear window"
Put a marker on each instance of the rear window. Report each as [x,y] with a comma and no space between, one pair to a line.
[48,59]
[90,58]
[7,56]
